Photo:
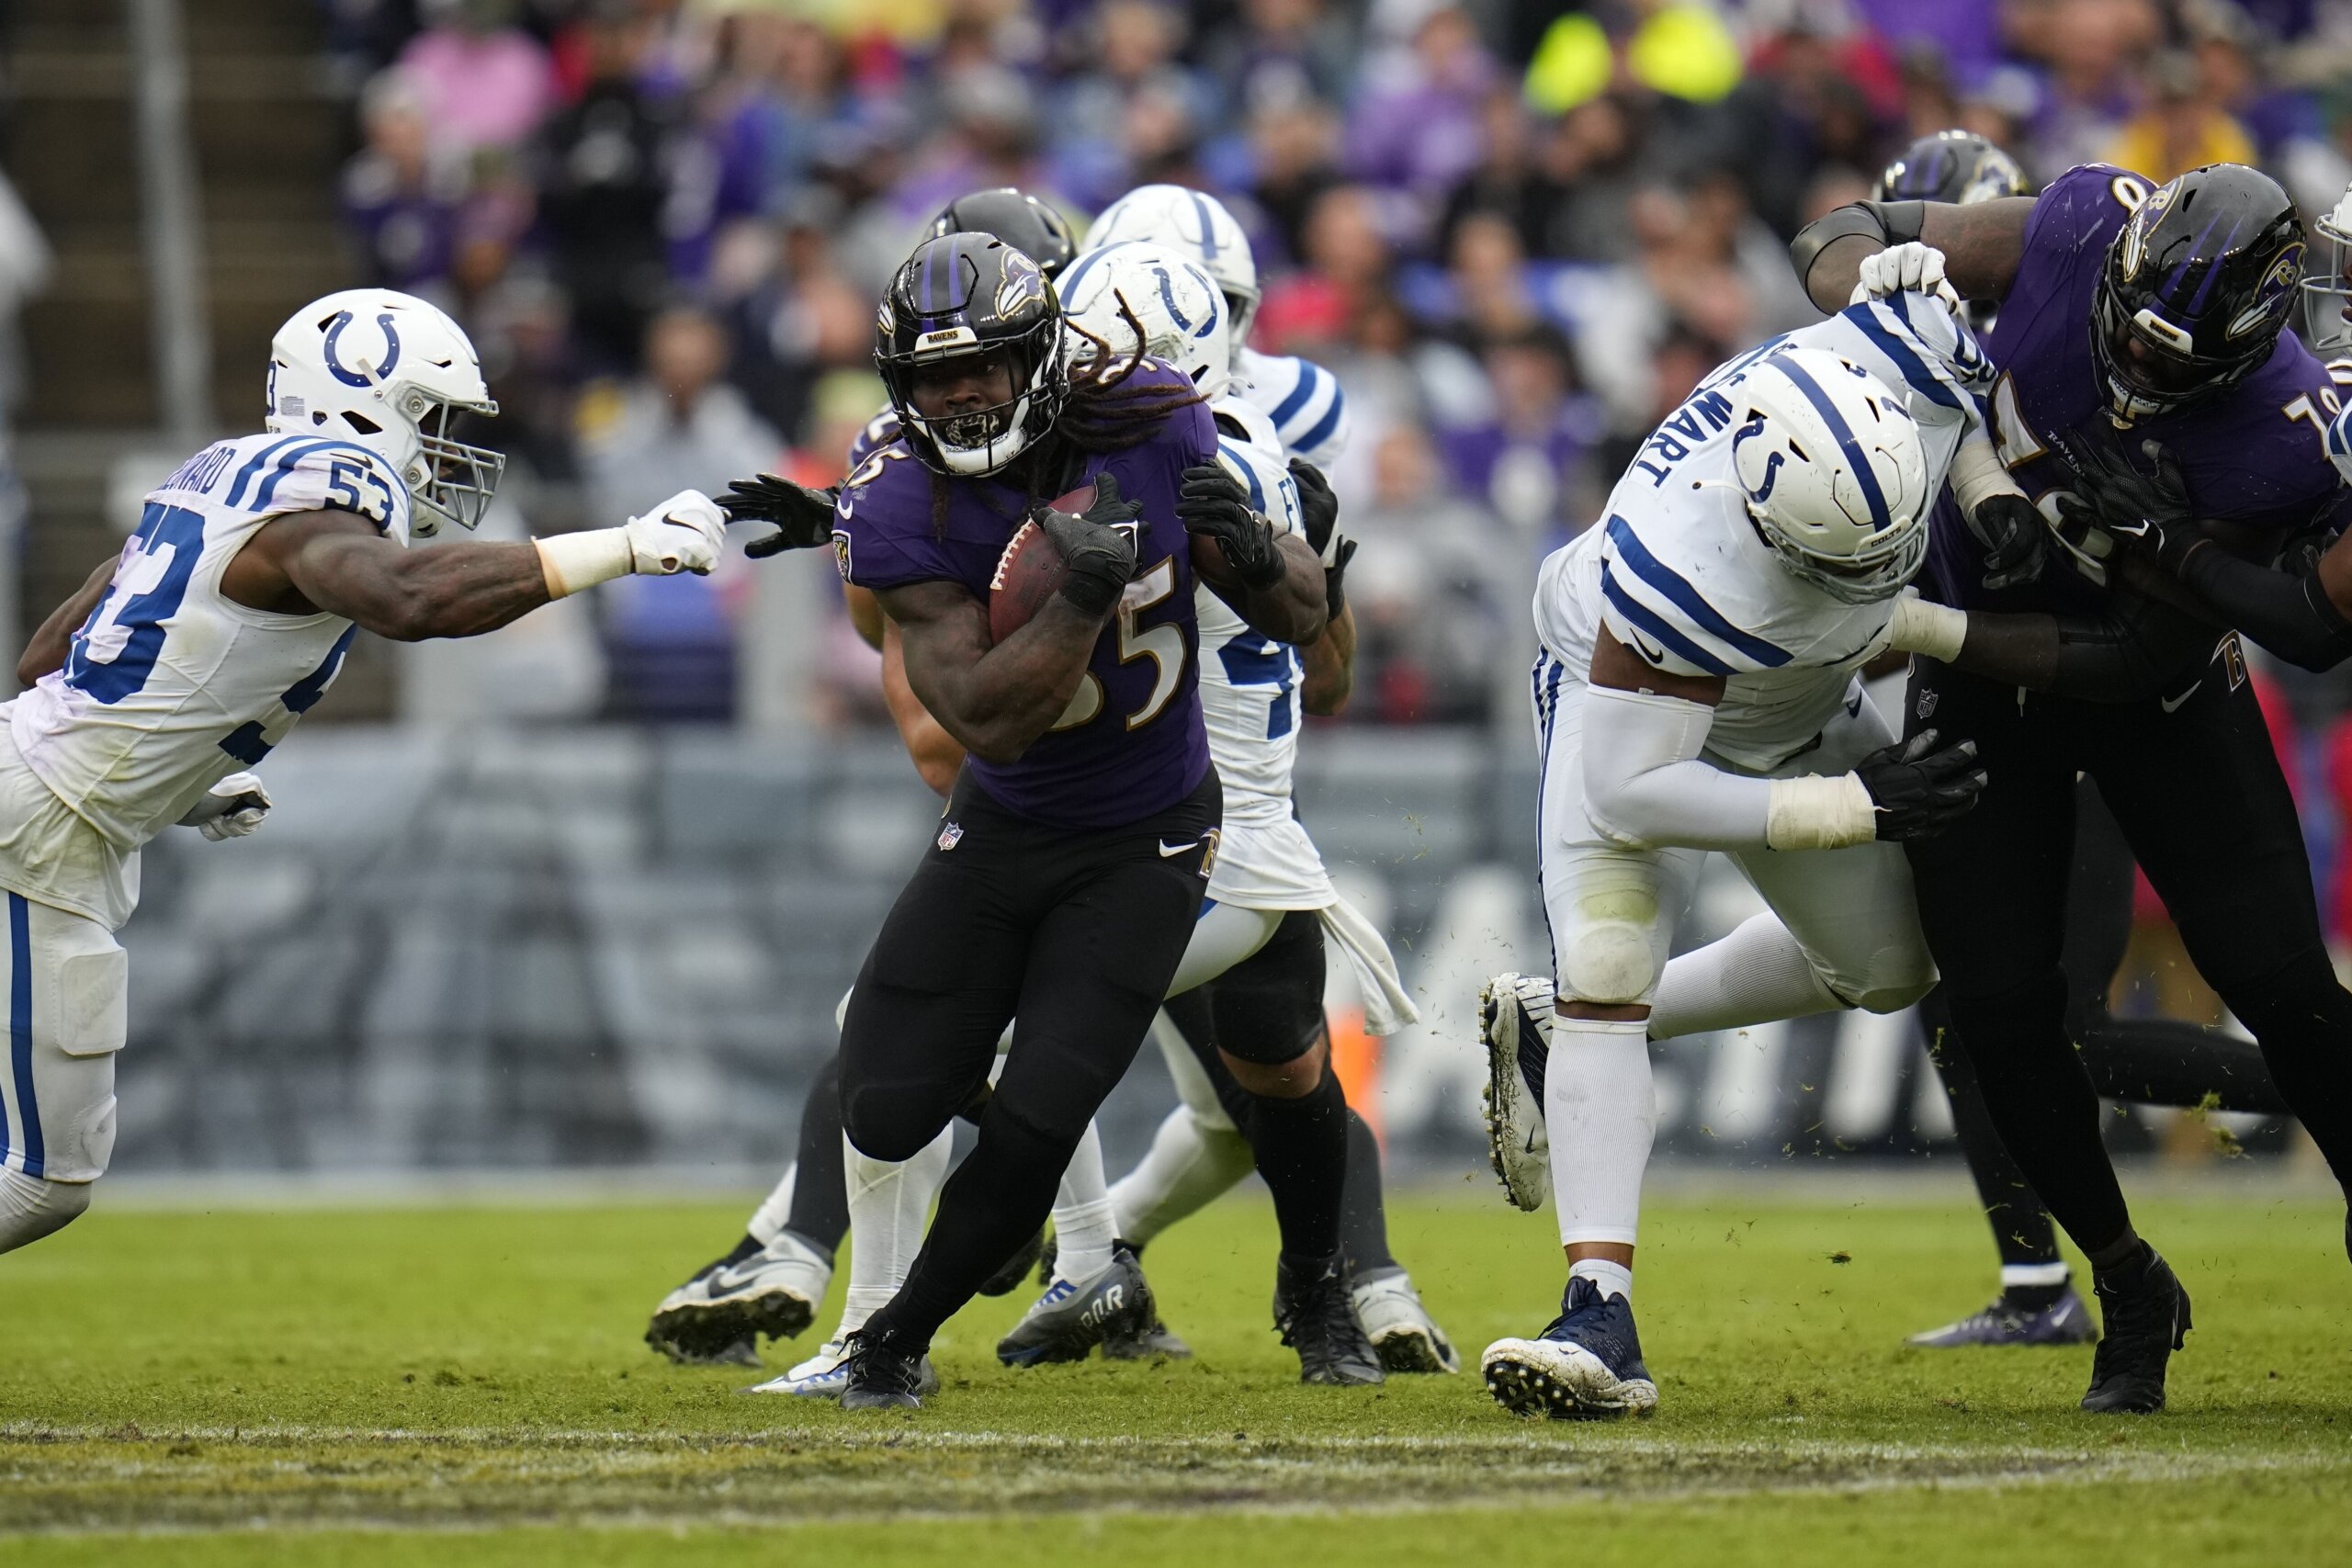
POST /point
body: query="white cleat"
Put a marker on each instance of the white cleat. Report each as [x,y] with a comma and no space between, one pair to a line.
[826,1374]
[1515,1021]
[1586,1365]
[1400,1327]
[774,1292]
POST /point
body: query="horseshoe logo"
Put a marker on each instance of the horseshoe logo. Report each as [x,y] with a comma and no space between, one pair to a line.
[358,378]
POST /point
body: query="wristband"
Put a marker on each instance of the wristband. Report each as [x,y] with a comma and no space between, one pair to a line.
[576,561]
[1933,631]
[1977,474]
[1812,812]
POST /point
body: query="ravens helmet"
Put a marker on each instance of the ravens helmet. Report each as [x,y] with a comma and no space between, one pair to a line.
[972,296]
[1957,166]
[2195,290]
[1018,219]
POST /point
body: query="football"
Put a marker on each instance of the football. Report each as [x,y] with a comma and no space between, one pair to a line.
[1030,571]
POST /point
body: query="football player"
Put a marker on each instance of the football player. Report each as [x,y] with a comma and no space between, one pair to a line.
[1259,935]
[1062,887]
[2132,316]
[1696,689]
[1198,1153]
[185,661]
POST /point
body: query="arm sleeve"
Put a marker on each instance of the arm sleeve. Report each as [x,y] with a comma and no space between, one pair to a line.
[1645,786]
[2132,650]
[2289,614]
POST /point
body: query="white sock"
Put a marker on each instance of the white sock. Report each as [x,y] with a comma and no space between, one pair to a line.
[773,1210]
[889,1206]
[1602,1116]
[31,1207]
[1189,1167]
[1083,1215]
[1757,974]
[1614,1278]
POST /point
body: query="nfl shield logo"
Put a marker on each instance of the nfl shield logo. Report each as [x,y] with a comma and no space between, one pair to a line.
[951,835]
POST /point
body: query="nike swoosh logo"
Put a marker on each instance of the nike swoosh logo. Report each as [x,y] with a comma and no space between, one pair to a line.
[2171,705]
[1654,655]
[1169,851]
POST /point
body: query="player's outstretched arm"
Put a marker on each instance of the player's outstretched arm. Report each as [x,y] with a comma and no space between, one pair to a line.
[2132,650]
[45,654]
[1982,245]
[1647,785]
[996,700]
[339,563]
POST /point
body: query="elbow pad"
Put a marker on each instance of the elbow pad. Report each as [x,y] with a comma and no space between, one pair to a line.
[1883,222]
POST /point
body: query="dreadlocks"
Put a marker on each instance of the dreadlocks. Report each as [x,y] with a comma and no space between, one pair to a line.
[1104,414]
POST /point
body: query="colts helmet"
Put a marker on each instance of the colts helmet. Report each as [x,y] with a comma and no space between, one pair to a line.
[1957,166]
[1015,217]
[1184,314]
[972,296]
[2327,296]
[385,371]
[1197,225]
[2195,290]
[1835,478]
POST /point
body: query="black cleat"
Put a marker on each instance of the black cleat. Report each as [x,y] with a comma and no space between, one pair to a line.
[1015,1268]
[883,1377]
[2146,1317]
[1315,1316]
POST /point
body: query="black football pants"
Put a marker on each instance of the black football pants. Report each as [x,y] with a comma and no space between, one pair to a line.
[1076,933]
[2192,782]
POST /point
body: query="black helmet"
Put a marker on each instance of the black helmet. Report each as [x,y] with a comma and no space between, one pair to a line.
[1957,166]
[1015,217]
[972,296]
[2195,290]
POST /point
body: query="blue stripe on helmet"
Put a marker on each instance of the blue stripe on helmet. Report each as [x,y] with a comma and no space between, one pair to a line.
[1208,229]
[1863,474]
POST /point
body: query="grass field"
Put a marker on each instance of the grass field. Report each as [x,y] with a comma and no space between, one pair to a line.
[463,1385]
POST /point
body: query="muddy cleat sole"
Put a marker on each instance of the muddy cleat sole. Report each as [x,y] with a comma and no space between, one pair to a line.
[774,1292]
[1514,1015]
[2066,1321]
[1587,1365]
[1073,1317]
[1401,1331]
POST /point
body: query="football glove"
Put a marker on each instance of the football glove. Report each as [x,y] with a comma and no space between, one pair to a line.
[1100,558]
[803,517]
[1318,508]
[1335,594]
[686,533]
[2151,509]
[1918,790]
[1912,268]
[2012,533]
[1212,506]
[229,810]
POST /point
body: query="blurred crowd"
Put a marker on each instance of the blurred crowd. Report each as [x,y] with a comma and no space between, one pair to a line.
[1518,231]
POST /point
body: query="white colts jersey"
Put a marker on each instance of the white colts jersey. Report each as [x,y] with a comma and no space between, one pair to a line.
[1250,704]
[1301,398]
[170,686]
[1678,572]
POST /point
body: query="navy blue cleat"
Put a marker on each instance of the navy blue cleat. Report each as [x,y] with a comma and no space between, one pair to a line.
[2066,1321]
[1587,1365]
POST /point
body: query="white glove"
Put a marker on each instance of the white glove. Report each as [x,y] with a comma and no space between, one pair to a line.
[1912,268]
[686,533]
[229,810]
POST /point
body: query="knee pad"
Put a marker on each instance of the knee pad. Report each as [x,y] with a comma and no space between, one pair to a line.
[1268,1008]
[887,1124]
[1609,963]
[31,1208]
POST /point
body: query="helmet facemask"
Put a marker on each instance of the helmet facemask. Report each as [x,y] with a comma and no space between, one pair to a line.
[2327,296]
[974,441]
[448,480]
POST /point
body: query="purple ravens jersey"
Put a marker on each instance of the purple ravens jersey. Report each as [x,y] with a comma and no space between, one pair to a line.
[1131,742]
[877,434]
[2253,458]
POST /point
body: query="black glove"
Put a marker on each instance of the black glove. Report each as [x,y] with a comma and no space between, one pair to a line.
[1335,597]
[1921,790]
[1100,558]
[1212,505]
[2012,533]
[804,517]
[2151,509]
[1318,508]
